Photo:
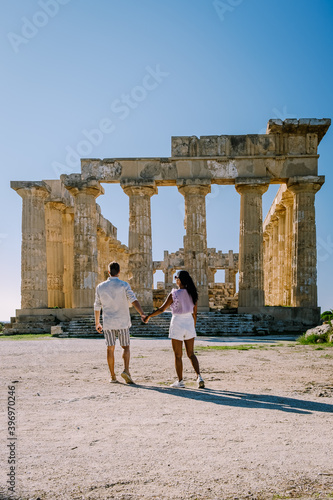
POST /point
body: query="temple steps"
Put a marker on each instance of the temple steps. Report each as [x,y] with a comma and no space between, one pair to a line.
[210,323]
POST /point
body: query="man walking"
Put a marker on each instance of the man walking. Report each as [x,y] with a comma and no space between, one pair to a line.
[113,296]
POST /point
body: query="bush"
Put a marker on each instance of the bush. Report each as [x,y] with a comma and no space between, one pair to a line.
[327,315]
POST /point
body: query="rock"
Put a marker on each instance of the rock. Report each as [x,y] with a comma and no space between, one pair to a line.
[56,330]
[320,331]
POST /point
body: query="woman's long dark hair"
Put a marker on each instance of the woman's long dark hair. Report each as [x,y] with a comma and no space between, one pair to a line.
[187,282]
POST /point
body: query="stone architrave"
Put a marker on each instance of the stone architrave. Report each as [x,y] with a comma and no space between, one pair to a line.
[33,251]
[251,276]
[195,239]
[85,238]
[140,262]
[55,253]
[304,285]
[68,249]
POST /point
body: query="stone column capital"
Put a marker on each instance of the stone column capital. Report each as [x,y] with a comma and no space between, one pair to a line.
[27,189]
[138,187]
[75,185]
[194,186]
[309,184]
[248,184]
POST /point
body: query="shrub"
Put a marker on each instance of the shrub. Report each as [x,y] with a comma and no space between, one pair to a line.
[327,315]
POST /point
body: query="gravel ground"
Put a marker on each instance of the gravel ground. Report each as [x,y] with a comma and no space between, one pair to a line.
[262,428]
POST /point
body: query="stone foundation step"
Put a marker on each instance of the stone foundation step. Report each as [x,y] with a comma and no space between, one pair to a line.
[210,323]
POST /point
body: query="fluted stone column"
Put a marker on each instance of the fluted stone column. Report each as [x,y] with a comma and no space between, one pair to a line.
[85,238]
[68,250]
[195,239]
[33,250]
[211,275]
[304,289]
[54,253]
[251,275]
[231,271]
[281,282]
[103,249]
[266,265]
[140,239]
[288,202]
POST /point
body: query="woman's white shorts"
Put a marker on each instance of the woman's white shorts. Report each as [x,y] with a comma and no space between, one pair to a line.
[182,327]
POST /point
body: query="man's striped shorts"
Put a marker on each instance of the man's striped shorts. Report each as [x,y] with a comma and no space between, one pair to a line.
[122,334]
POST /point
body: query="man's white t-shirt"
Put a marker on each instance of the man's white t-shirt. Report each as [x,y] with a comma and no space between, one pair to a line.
[114,296]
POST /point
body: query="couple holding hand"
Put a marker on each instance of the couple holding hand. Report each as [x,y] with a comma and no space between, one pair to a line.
[113,295]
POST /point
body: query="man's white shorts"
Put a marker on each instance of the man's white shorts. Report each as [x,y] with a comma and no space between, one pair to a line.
[122,334]
[182,327]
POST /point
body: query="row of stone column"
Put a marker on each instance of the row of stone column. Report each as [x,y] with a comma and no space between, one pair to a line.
[43,283]
[65,249]
[290,252]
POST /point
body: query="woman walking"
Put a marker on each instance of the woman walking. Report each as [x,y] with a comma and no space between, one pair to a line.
[183,303]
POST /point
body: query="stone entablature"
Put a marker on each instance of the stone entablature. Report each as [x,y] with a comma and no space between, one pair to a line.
[287,149]
[291,136]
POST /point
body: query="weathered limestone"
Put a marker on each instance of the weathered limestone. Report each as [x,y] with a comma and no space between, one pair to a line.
[33,252]
[55,254]
[68,250]
[85,238]
[288,203]
[195,240]
[251,276]
[140,240]
[304,286]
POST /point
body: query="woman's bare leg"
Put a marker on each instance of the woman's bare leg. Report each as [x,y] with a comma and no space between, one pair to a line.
[177,346]
[189,346]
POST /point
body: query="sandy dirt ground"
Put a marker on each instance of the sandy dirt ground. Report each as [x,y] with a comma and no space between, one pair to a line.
[262,428]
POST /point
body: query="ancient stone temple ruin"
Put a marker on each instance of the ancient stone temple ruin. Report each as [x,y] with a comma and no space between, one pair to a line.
[67,243]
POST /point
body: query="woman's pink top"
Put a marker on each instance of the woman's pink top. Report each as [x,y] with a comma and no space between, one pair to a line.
[182,301]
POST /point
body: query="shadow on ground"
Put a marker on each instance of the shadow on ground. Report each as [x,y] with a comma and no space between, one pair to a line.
[243,400]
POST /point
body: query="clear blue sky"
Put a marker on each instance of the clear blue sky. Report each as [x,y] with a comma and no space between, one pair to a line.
[226,67]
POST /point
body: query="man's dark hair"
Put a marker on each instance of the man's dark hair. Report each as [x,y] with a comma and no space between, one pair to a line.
[114,268]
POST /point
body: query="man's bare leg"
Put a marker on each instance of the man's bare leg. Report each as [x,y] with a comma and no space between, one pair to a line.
[177,346]
[126,357]
[110,360]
